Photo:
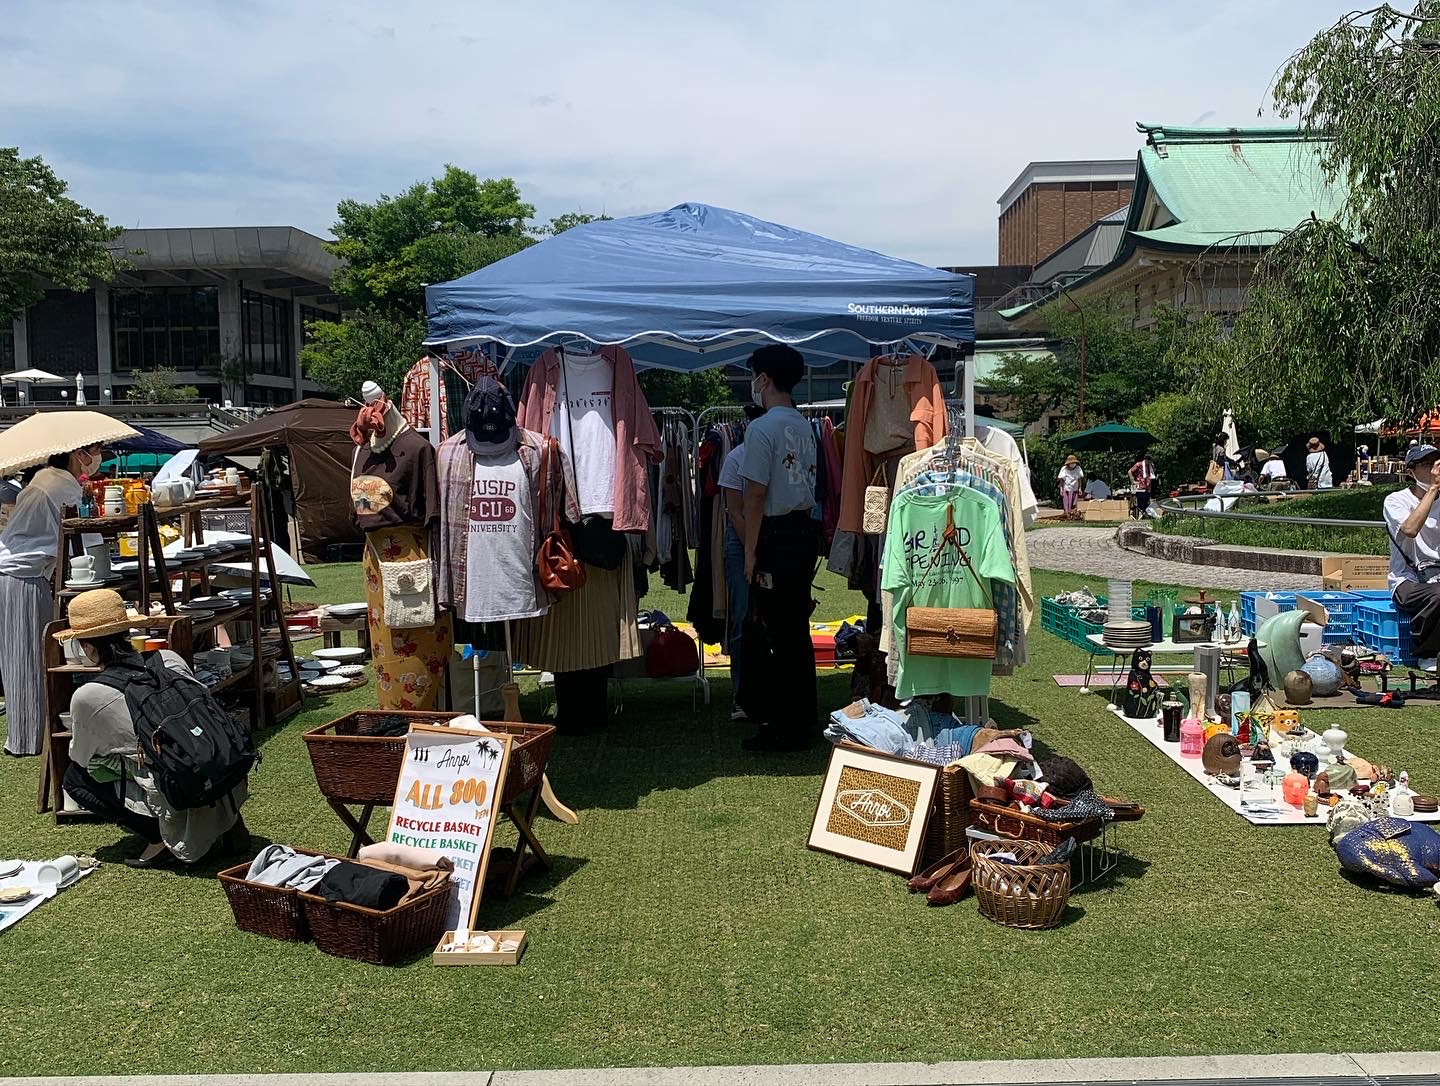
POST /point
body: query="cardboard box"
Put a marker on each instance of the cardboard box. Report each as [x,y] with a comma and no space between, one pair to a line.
[441,956]
[1354,571]
[1318,615]
[1111,509]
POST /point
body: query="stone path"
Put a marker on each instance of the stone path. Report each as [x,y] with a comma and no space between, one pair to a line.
[1094,552]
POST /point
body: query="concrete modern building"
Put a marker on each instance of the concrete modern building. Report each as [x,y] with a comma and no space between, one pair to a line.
[1207,203]
[225,307]
[1050,203]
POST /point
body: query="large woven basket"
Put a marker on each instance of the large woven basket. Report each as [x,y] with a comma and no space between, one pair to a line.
[353,764]
[273,911]
[1024,895]
[950,815]
[375,936]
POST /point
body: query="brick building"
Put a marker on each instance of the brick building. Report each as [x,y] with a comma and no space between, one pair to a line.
[1050,203]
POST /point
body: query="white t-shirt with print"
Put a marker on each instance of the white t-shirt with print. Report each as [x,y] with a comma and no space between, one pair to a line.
[500,543]
[1070,477]
[584,423]
[1424,549]
[780,456]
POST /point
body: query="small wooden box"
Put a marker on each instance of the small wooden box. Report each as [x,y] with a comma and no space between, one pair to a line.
[441,956]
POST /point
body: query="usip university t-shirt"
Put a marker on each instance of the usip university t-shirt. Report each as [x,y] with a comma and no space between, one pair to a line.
[584,423]
[500,542]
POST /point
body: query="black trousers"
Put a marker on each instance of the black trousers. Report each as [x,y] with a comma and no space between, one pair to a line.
[1422,603]
[103,800]
[778,677]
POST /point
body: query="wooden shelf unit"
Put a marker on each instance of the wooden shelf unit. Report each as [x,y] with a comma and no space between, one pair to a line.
[264,610]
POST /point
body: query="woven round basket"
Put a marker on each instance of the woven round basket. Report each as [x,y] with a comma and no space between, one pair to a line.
[1024,895]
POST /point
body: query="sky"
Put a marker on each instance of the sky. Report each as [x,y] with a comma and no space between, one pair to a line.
[893,126]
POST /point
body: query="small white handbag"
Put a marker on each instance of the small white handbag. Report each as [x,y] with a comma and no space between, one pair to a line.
[409,592]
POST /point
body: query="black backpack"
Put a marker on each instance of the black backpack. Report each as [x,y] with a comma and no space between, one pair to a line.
[192,747]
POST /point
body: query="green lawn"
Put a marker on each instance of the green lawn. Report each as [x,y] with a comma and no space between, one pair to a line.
[685,922]
[1362,503]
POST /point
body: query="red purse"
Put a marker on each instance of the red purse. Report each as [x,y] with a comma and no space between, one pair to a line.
[671,654]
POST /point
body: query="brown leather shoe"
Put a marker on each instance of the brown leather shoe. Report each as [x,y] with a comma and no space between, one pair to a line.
[938,870]
[954,886]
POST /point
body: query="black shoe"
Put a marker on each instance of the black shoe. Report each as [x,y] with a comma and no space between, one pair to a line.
[163,858]
[774,741]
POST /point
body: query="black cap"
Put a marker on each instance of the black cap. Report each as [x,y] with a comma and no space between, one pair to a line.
[489,415]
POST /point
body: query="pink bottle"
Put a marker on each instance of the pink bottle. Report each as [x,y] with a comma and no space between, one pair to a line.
[1192,738]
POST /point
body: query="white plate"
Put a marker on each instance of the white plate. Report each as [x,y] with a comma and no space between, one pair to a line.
[316,665]
[9,867]
[347,610]
[350,671]
[326,682]
[343,654]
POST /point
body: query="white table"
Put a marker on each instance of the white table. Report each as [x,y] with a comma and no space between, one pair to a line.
[1229,650]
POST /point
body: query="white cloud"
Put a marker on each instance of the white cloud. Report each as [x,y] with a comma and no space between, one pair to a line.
[890,126]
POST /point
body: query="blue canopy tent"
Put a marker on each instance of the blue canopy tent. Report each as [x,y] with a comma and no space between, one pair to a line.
[697,287]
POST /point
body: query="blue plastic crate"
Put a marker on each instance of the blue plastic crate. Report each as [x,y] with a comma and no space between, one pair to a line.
[1382,620]
[1371,593]
[1340,606]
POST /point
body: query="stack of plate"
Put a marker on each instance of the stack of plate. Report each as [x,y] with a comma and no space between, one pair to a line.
[1127,635]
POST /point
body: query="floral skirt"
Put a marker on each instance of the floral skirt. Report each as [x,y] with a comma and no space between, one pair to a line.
[409,664]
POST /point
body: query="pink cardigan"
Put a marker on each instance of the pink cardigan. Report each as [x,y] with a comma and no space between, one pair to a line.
[637,439]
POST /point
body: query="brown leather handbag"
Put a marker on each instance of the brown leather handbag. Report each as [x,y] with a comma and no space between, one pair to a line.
[968,633]
[555,562]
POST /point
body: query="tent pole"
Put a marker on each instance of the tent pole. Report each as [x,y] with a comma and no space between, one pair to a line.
[969,364]
[435,379]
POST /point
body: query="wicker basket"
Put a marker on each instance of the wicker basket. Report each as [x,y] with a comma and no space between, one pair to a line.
[273,911]
[1017,826]
[378,937]
[950,815]
[1024,895]
[355,765]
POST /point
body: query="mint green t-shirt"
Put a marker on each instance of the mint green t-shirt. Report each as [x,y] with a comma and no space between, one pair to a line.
[915,532]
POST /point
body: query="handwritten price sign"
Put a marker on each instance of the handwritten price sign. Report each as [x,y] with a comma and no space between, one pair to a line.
[447,800]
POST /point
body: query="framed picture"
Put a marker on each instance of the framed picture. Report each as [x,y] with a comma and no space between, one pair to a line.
[874,808]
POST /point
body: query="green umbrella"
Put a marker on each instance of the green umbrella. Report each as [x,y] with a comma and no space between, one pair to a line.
[1112,437]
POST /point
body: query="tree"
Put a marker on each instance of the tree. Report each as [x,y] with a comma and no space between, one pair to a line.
[158,386]
[692,391]
[432,232]
[560,223]
[45,235]
[1345,314]
[1125,366]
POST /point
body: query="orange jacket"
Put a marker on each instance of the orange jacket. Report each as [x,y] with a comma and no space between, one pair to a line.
[927,412]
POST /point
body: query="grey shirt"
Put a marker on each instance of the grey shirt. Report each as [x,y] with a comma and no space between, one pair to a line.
[103,731]
[780,456]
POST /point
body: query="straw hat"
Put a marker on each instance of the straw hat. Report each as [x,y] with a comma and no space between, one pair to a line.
[1261,455]
[1071,459]
[1314,444]
[36,438]
[98,613]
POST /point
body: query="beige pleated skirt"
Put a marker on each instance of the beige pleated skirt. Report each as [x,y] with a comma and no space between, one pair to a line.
[591,627]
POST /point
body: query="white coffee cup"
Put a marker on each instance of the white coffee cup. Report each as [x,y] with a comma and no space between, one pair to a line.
[82,576]
[82,562]
[57,874]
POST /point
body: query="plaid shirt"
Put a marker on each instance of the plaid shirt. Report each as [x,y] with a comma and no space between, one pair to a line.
[469,363]
[456,467]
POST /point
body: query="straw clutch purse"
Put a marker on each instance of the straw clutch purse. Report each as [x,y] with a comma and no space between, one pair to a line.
[877,506]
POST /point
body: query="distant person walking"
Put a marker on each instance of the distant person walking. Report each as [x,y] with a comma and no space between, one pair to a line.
[1072,481]
[1317,466]
[1142,481]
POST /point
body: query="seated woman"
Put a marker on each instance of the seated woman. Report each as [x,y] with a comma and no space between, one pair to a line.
[1414,529]
[105,774]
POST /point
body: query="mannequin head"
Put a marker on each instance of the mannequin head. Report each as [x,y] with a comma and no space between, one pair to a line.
[775,371]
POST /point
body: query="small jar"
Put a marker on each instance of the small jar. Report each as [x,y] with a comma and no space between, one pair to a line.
[1192,738]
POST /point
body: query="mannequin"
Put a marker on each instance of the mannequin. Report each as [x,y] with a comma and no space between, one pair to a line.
[590,400]
[396,503]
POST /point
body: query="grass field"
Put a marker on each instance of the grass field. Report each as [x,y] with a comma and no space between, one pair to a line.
[1359,504]
[685,922]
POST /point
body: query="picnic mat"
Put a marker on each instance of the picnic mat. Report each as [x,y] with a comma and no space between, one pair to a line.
[1274,812]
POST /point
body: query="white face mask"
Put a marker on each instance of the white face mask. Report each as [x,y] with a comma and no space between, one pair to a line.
[755,394]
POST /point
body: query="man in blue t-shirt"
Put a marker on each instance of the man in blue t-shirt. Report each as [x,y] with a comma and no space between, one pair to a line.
[781,542]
